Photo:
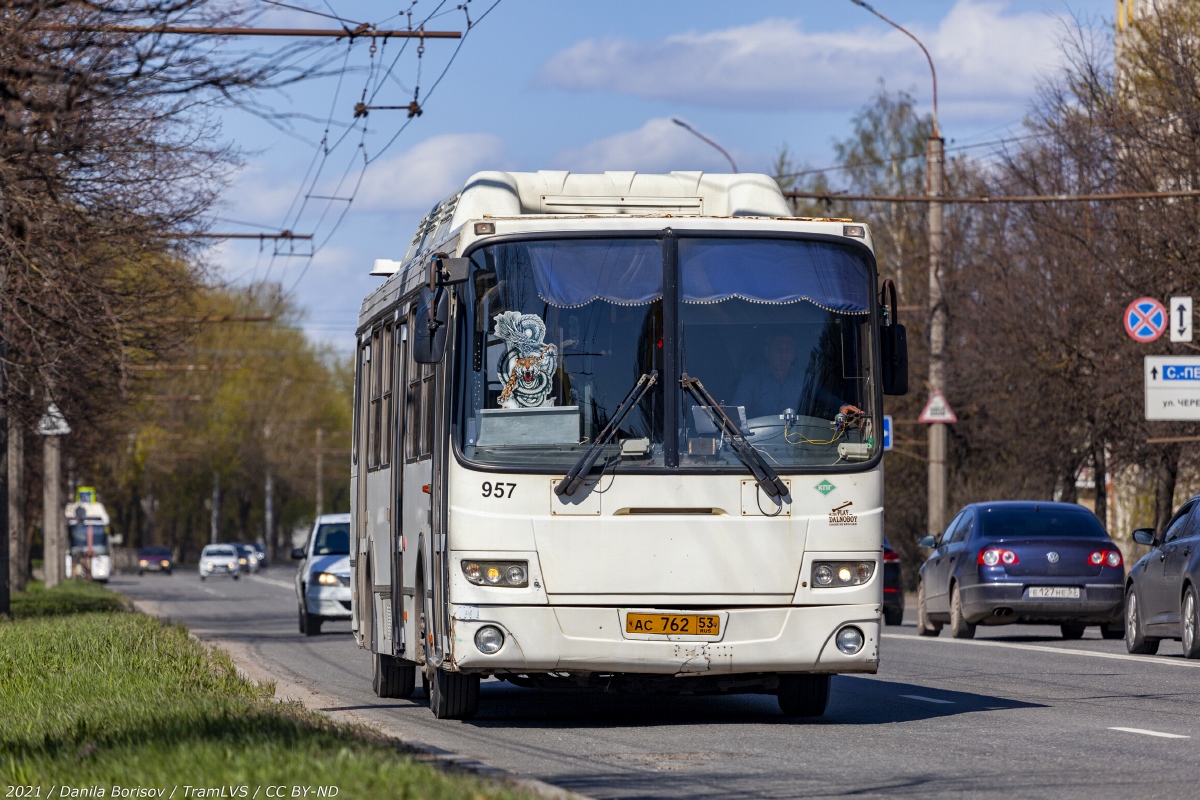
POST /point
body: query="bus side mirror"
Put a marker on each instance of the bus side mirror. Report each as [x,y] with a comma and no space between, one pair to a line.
[893,352]
[429,329]
[451,271]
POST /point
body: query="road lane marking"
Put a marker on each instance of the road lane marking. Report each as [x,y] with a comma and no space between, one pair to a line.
[1178,662]
[927,699]
[1145,732]
[209,591]
[273,582]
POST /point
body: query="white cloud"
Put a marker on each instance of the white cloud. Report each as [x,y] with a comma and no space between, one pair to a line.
[988,62]
[428,172]
[658,146]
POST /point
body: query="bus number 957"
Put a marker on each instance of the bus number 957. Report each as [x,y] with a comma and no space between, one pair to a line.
[498,489]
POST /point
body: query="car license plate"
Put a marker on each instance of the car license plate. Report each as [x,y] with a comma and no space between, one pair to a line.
[677,624]
[1055,592]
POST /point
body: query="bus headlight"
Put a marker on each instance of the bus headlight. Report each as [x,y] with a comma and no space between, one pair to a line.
[489,639]
[849,640]
[513,574]
[842,573]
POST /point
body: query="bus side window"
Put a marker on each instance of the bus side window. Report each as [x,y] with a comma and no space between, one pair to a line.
[412,407]
[386,361]
[428,382]
[376,397]
[360,390]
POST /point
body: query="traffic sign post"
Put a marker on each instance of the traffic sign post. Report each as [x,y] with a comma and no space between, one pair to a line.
[1145,319]
[937,410]
[1181,319]
[887,431]
[53,426]
[1172,388]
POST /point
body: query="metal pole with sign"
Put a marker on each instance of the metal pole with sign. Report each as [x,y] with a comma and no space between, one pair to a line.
[53,426]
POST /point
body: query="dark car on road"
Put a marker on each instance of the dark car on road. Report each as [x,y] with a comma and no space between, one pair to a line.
[1004,562]
[893,590]
[1161,596]
[155,559]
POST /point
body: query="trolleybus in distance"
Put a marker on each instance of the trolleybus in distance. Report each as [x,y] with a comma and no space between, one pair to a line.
[88,554]
[622,431]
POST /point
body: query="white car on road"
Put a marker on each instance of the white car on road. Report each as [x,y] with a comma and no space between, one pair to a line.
[323,578]
[219,559]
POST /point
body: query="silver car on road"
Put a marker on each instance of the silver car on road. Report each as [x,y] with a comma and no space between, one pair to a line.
[323,577]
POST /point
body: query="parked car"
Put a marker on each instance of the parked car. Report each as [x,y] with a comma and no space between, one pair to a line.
[323,576]
[155,559]
[219,559]
[1005,562]
[1161,600]
[893,590]
[247,557]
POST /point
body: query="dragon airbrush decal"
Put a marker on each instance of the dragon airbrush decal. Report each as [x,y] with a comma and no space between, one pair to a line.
[528,363]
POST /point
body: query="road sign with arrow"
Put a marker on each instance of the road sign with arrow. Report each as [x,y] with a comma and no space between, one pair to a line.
[1181,319]
[1172,387]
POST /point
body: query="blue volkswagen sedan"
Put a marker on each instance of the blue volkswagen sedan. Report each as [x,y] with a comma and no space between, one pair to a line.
[1032,562]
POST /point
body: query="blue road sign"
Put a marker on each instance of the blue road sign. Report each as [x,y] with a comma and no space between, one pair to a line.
[887,431]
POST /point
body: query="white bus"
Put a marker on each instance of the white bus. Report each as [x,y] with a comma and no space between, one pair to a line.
[622,431]
[88,554]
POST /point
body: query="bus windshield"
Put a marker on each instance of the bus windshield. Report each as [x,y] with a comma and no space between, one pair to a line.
[555,333]
[80,538]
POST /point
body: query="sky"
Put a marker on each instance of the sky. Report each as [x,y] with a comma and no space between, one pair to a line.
[587,87]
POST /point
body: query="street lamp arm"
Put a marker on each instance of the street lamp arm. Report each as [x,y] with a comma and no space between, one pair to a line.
[704,138]
[928,57]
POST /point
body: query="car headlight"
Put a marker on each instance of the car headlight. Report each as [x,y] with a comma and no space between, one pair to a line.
[231,565]
[209,565]
[241,561]
[144,562]
[497,573]
[327,579]
[842,573]
[166,563]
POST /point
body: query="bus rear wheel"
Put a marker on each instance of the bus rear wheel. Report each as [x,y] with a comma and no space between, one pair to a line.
[803,695]
[392,677]
[453,695]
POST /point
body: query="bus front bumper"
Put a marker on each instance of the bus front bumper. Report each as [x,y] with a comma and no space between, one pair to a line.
[589,639]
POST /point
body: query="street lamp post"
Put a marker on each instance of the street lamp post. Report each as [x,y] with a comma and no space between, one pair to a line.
[705,139]
[935,166]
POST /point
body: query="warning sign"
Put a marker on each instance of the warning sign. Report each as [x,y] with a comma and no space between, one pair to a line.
[937,409]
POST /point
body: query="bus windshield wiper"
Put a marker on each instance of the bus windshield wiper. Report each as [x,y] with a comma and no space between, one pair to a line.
[768,480]
[584,465]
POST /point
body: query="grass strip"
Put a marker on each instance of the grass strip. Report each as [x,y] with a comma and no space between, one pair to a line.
[94,696]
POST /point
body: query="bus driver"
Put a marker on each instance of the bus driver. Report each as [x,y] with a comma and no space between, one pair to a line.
[778,384]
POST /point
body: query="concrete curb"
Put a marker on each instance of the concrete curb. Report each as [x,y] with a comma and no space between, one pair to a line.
[307,696]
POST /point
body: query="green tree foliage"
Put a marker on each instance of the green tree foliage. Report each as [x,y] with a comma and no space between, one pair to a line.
[236,400]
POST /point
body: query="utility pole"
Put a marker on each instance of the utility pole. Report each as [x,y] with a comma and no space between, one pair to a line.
[320,482]
[18,556]
[269,499]
[214,532]
[54,523]
[935,165]
[935,162]
[6,581]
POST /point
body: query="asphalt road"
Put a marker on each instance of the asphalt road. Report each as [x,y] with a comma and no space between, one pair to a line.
[1017,712]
